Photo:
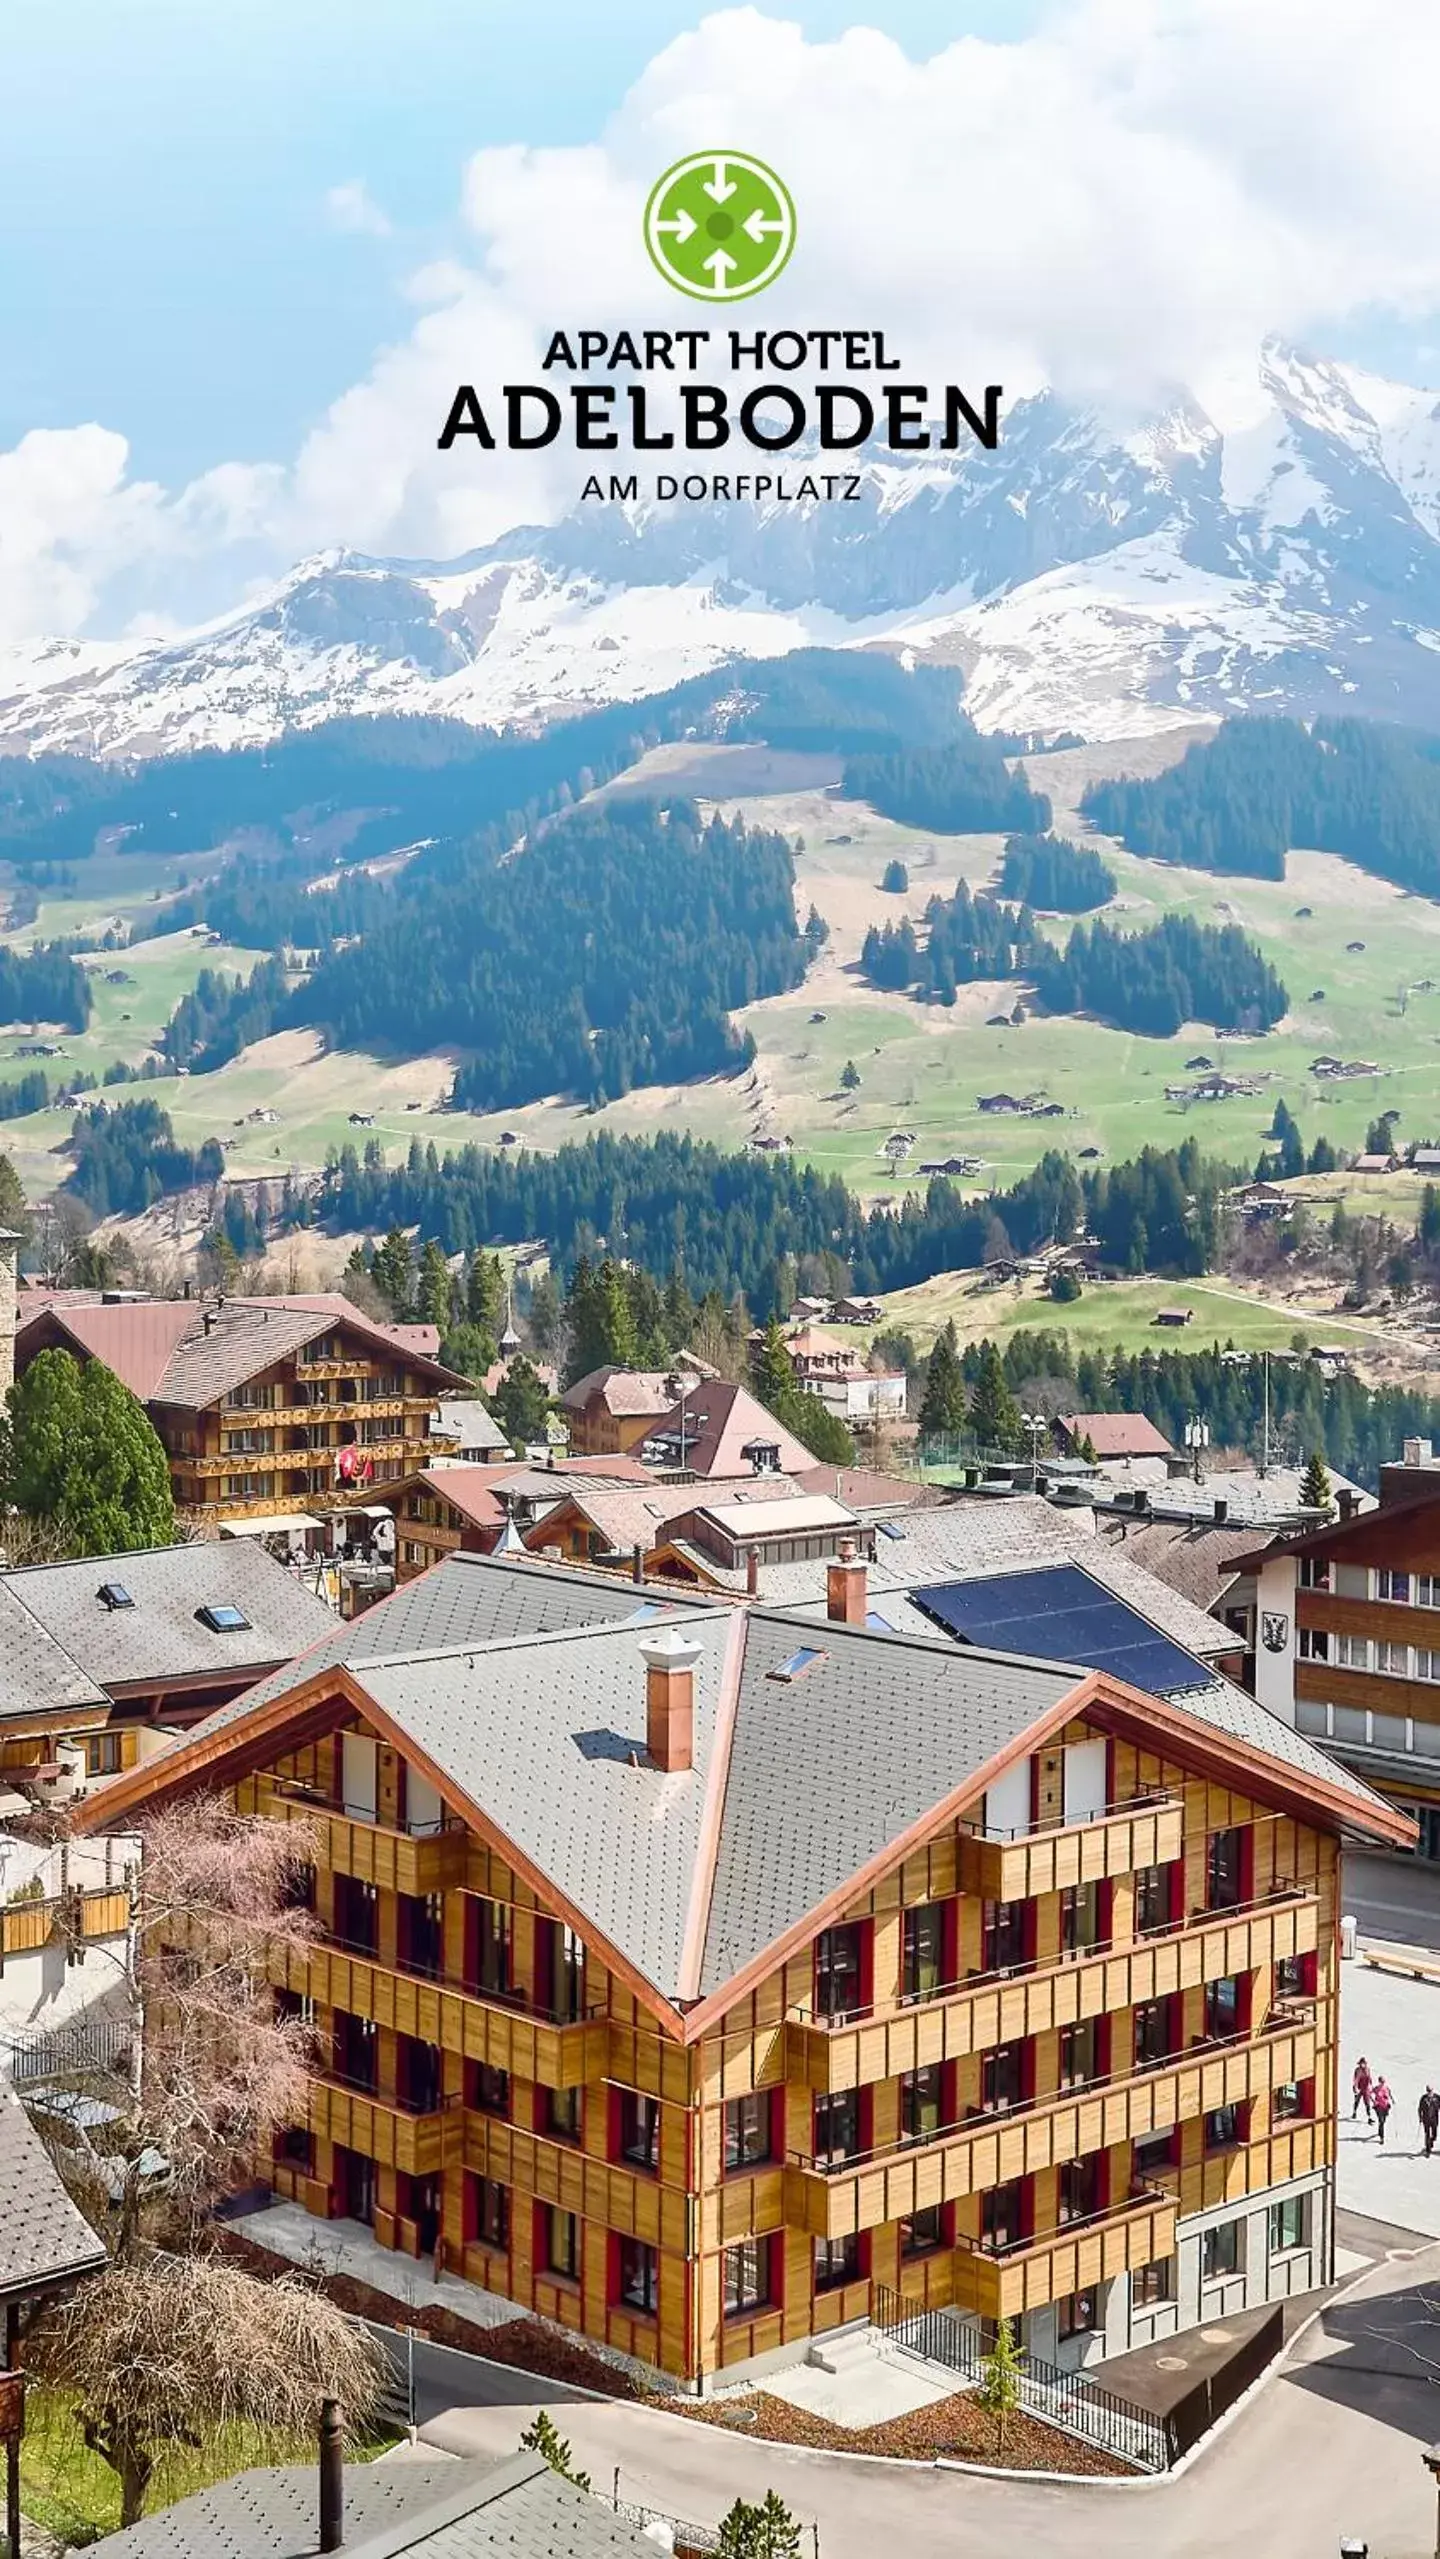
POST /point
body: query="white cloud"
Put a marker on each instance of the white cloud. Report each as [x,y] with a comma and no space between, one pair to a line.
[1132,195]
[352,208]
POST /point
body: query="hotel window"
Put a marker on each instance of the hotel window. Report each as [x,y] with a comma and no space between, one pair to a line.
[1393,1659]
[1080,2188]
[487,2212]
[837,1972]
[639,2277]
[1152,2033]
[1294,1977]
[1313,1644]
[1315,1572]
[923,2232]
[639,2129]
[920,2103]
[1394,1586]
[561,1957]
[747,2131]
[1002,2214]
[1154,1899]
[487,1946]
[1222,2008]
[562,2113]
[1079,2054]
[1078,2315]
[837,2129]
[1082,1919]
[1149,2156]
[837,2261]
[487,2090]
[1289,2224]
[1151,2285]
[420,1927]
[1292,2100]
[747,2277]
[1002,2079]
[923,1951]
[1352,1652]
[1004,1936]
[1427,1663]
[562,2244]
[1225,1870]
[1427,1590]
[1224,2128]
[102,1755]
[1220,2251]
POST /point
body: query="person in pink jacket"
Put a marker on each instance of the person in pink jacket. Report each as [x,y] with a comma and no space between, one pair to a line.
[1382,2101]
[1360,2086]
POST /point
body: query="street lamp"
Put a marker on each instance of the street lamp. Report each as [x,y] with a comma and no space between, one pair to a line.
[1037,1425]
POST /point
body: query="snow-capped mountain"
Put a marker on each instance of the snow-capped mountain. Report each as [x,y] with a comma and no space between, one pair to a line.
[1278,549]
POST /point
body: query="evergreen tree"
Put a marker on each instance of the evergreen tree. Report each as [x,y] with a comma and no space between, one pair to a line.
[435,1291]
[771,1374]
[468,1351]
[849,1076]
[1316,1490]
[622,1333]
[819,1430]
[392,1270]
[994,1413]
[544,2436]
[944,1408]
[1322,1157]
[998,2388]
[766,2531]
[520,1403]
[80,1454]
[485,1292]
[895,879]
[583,1322]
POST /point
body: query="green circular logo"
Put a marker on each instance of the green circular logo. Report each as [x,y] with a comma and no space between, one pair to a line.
[719,225]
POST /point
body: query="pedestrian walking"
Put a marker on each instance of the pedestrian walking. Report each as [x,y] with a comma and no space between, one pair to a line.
[1382,2101]
[1428,2111]
[1360,2087]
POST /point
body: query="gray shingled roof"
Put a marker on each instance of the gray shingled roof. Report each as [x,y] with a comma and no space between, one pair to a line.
[37,1675]
[466,1600]
[161,1638]
[445,2509]
[542,1734]
[827,1768]
[43,2238]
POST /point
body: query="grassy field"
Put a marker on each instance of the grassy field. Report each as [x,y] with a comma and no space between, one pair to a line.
[1120,1315]
[922,1069]
[72,2493]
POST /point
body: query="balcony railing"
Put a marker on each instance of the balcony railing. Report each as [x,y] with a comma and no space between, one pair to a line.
[505,2030]
[1003,2278]
[832,2196]
[417,2138]
[1046,1857]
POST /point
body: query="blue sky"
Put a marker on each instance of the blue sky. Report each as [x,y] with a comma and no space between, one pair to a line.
[172,269]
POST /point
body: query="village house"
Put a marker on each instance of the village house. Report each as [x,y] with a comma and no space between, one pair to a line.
[263,1406]
[696,1974]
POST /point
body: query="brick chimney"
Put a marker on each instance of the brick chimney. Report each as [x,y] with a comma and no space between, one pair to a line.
[670,1661]
[845,1599]
[752,1572]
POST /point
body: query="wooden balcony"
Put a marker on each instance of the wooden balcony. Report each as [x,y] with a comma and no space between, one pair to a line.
[1003,2283]
[559,2172]
[398,1861]
[1014,1867]
[503,2033]
[990,2150]
[972,2016]
[381,2129]
[75,1917]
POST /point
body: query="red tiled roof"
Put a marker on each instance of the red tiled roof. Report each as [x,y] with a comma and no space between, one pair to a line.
[720,1420]
[137,1342]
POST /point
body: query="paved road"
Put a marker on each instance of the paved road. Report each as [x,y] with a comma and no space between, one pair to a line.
[1332,2446]
[441,2378]
[1393,1897]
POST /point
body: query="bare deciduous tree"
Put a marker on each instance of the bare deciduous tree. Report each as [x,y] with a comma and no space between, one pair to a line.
[172,2341]
[162,2353]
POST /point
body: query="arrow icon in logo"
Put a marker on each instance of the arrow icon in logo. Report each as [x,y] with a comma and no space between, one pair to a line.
[719,187]
[721,266]
[756,224]
[684,226]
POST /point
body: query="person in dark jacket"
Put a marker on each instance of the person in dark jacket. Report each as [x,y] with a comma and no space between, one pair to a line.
[1429,2114]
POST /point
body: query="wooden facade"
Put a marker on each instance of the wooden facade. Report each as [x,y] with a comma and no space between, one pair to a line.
[494,2093]
[277,1442]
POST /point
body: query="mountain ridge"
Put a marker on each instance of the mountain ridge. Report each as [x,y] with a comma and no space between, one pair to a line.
[1101,577]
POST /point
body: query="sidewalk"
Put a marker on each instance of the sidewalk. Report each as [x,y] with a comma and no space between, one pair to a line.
[1395,2022]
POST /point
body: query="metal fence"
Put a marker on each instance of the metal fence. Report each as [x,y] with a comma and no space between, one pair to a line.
[86,2045]
[1070,2401]
[1195,2414]
[687,2538]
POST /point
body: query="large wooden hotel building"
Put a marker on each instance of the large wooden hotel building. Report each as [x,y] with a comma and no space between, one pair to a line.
[685,1970]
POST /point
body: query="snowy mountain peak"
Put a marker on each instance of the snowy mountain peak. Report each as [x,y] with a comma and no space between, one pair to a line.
[1276,544]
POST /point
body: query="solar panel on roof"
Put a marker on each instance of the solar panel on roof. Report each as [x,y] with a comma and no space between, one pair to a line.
[1060,1613]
